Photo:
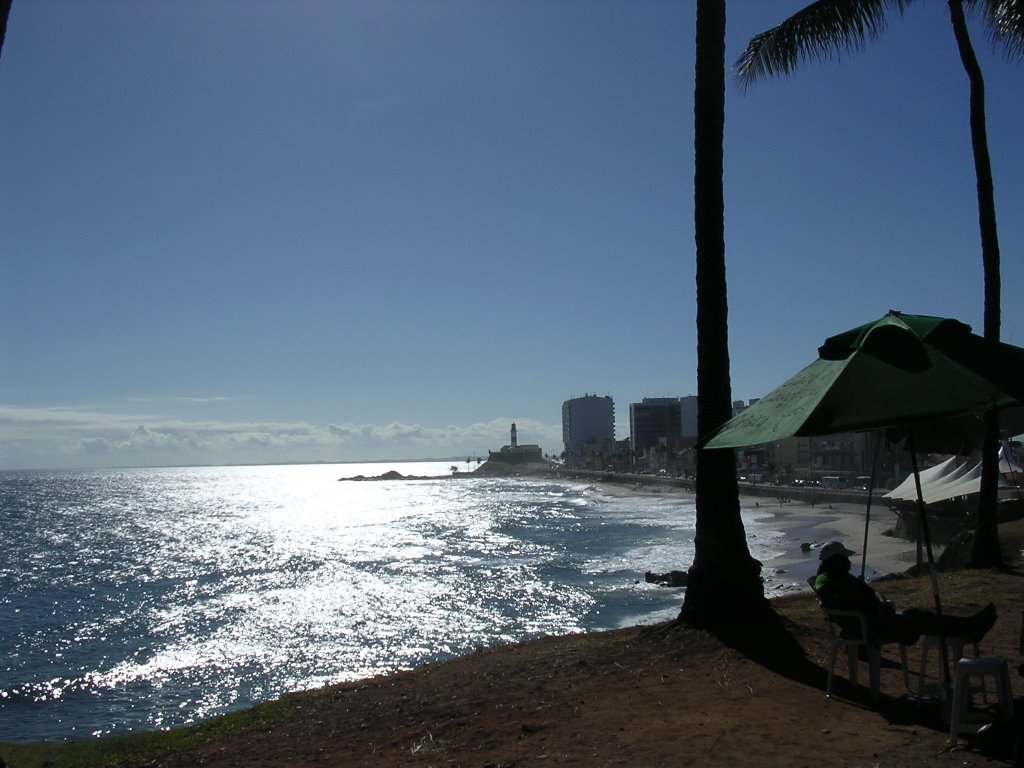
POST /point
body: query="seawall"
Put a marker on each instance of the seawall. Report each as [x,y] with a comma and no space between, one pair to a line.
[812,496]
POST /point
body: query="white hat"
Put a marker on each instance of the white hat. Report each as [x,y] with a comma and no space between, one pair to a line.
[832,549]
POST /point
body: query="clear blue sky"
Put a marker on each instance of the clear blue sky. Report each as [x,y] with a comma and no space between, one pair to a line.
[292,230]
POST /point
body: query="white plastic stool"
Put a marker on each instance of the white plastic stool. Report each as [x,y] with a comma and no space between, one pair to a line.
[956,646]
[964,718]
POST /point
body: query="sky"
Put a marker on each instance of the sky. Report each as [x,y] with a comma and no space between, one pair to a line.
[252,231]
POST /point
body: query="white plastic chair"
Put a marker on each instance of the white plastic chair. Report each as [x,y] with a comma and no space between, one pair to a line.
[853,636]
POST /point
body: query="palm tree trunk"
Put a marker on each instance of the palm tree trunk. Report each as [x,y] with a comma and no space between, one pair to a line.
[985,551]
[5,11]
[724,585]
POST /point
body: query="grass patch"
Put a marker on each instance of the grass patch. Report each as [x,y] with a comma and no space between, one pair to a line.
[140,748]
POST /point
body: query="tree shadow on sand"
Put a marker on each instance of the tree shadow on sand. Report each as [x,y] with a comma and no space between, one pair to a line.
[773,644]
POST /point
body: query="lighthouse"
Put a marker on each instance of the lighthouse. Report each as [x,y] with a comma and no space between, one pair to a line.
[514,453]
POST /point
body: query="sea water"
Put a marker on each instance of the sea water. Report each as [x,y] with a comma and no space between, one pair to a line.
[150,598]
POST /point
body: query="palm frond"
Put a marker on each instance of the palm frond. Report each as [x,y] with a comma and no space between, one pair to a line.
[1005,20]
[820,32]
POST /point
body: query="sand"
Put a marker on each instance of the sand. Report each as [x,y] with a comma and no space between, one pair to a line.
[818,525]
[814,525]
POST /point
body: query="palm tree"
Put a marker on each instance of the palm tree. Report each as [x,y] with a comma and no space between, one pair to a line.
[5,11]
[724,585]
[827,27]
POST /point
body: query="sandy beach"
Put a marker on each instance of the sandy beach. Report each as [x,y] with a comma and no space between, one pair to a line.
[817,525]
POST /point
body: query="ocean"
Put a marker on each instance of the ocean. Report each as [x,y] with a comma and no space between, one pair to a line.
[144,599]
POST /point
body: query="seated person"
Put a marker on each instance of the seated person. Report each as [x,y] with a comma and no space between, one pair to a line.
[837,588]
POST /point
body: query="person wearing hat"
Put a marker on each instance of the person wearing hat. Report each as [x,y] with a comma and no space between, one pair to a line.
[838,589]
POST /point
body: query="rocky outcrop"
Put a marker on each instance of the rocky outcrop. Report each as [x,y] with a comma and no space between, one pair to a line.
[667,579]
[392,475]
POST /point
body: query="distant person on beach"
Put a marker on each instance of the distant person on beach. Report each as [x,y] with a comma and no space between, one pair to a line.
[837,588]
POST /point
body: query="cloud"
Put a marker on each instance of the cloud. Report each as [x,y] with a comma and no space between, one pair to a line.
[67,437]
[95,446]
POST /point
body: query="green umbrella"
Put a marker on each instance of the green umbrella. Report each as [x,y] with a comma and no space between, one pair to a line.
[898,373]
[899,370]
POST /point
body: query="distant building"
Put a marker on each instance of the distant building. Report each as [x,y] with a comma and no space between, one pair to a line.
[513,453]
[688,417]
[663,431]
[588,427]
[844,456]
[662,420]
[738,406]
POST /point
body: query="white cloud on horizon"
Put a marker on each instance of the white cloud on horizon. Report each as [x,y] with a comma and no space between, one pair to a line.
[52,438]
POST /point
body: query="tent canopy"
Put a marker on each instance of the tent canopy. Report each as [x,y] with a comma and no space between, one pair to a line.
[948,480]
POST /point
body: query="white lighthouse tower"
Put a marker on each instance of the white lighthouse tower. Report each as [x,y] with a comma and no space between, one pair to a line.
[514,453]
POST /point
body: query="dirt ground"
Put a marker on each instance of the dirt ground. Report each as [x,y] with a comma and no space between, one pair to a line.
[639,697]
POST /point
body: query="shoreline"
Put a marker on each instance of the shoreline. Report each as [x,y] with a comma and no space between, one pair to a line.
[804,517]
[800,521]
[815,520]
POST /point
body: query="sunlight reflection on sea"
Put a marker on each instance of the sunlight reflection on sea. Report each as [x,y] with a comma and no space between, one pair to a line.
[141,599]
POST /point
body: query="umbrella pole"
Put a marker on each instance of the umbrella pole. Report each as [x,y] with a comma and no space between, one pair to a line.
[943,650]
[867,512]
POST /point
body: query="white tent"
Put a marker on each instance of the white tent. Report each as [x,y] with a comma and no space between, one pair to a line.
[948,487]
[948,480]
[969,482]
[907,490]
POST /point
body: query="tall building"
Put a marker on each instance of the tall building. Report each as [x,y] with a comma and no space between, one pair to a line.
[588,424]
[653,420]
[658,420]
[688,416]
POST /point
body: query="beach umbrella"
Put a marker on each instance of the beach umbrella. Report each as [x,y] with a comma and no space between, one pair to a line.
[959,434]
[898,370]
[896,373]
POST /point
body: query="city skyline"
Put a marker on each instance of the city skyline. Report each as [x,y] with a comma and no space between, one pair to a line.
[265,232]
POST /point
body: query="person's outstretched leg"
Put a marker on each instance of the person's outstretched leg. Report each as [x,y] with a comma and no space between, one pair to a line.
[973,627]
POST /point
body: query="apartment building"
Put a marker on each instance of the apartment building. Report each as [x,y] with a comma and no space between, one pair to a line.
[588,426]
